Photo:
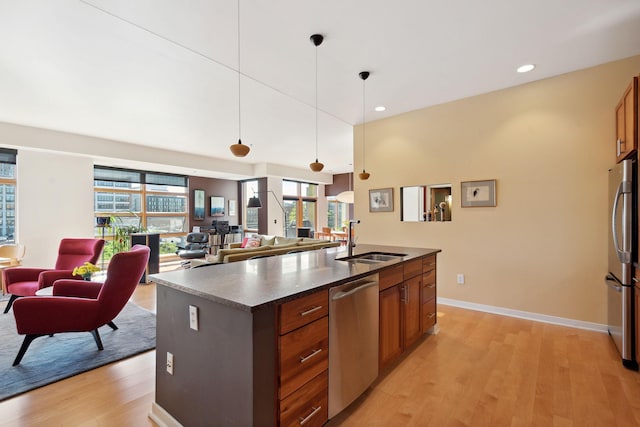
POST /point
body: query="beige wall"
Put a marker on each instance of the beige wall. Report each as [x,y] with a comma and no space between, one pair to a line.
[549,145]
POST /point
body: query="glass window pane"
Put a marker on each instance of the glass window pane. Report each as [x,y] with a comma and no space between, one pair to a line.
[166,189]
[289,188]
[166,224]
[119,185]
[291,229]
[332,208]
[118,175]
[166,204]
[309,214]
[309,190]
[169,245]
[165,180]
[7,212]
[7,170]
[250,214]
[117,202]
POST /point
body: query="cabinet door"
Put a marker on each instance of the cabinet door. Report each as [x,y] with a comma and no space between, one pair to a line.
[411,305]
[637,292]
[390,333]
[627,122]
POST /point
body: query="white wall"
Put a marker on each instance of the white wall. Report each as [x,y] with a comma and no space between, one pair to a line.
[54,200]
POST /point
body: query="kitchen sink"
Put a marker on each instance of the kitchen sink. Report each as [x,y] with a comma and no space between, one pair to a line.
[379,256]
[372,257]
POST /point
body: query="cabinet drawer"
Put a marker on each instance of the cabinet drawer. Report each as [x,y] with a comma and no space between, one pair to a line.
[301,311]
[428,290]
[429,315]
[412,268]
[428,263]
[308,403]
[390,276]
[429,277]
[303,355]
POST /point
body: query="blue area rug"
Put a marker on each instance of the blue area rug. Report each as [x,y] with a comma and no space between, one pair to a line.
[51,359]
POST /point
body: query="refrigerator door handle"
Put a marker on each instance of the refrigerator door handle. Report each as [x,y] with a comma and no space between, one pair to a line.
[612,283]
[624,257]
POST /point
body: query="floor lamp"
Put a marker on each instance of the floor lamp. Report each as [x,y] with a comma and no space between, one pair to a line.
[254,202]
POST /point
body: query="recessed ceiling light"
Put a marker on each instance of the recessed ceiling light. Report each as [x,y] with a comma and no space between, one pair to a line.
[525,68]
[380,108]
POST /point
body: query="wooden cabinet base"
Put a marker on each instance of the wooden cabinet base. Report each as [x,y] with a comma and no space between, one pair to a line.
[308,405]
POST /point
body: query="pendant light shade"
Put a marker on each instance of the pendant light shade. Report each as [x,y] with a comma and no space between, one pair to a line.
[364,175]
[316,166]
[316,39]
[239,149]
[346,196]
[254,202]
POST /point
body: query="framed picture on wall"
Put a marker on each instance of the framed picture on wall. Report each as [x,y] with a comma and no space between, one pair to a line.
[198,204]
[478,193]
[232,207]
[217,206]
[381,200]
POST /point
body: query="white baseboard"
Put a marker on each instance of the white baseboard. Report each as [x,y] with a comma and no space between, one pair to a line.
[162,417]
[562,321]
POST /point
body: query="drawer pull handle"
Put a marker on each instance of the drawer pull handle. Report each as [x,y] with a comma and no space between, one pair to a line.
[431,286]
[311,310]
[315,353]
[308,417]
[430,315]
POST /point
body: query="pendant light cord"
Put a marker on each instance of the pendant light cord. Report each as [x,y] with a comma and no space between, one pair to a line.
[316,103]
[239,93]
[363,127]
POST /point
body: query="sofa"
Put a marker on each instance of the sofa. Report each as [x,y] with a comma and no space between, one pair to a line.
[269,246]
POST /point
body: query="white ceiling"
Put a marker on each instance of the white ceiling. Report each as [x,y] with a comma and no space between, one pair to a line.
[164,73]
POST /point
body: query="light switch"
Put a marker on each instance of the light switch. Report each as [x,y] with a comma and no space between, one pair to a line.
[169,363]
[193,317]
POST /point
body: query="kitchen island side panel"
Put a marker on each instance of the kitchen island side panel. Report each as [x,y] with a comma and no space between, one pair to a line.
[222,374]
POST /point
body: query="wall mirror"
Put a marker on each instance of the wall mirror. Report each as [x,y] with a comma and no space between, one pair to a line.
[425,203]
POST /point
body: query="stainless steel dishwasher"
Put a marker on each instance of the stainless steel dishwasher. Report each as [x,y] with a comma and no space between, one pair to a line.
[353,340]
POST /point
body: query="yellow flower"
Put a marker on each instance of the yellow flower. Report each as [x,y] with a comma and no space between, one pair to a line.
[85,269]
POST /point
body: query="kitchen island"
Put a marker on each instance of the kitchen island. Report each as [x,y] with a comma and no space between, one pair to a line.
[230,329]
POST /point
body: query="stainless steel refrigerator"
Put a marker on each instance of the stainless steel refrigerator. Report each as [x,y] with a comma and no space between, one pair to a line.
[622,252]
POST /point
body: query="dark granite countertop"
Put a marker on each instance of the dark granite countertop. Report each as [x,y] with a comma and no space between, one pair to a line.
[249,285]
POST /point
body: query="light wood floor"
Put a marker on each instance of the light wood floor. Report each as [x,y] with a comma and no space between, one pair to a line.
[480,370]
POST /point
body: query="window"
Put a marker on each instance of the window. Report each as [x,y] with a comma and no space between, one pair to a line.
[250,214]
[7,195]
[140,201]
[337,214]
[300,206]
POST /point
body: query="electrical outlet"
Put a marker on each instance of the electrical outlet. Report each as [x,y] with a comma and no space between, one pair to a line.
[170,363]
[460,279]
[193,317]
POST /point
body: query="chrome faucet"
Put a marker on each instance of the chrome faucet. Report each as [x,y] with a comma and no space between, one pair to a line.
[350,243]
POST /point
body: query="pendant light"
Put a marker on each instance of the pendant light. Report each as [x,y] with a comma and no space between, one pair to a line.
[346,196]
[316,39]
[364,175]
[239,150]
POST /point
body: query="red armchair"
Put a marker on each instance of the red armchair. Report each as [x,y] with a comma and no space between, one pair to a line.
[24,281]
[80,306]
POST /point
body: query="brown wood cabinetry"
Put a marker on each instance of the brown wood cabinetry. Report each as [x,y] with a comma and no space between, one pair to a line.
[402,305]
[428,292]
[627,122]
[411,304]
[637,313]
[303,360]
[390,339]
